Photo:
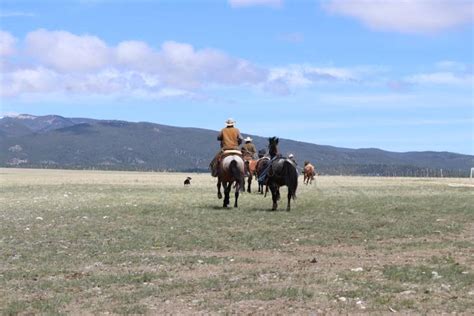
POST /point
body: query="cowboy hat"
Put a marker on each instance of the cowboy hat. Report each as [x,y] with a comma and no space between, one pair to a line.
[230,122]
[248,139]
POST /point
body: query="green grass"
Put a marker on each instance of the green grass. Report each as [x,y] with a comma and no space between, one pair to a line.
[120,242]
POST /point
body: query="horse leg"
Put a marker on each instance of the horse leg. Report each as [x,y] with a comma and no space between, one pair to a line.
[274,190]
[227,187]
[288,206]
[249,183]
[237,190]
[219,194]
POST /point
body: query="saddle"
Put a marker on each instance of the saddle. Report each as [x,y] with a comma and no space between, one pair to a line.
[277,164]
[228,152]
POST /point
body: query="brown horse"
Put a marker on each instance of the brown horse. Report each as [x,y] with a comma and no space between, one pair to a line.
[250,171]
[308,173]
[231,170]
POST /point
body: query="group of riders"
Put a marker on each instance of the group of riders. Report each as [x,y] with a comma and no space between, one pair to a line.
[231,141]
[234,160]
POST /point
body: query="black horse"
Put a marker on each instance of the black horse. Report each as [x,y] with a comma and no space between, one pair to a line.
[281,172]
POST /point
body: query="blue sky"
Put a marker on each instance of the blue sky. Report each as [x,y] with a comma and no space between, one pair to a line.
[396,75]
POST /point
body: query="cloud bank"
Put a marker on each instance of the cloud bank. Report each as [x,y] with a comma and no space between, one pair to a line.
[60,62]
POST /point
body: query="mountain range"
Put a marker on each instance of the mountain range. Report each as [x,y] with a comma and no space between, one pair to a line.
[53,141]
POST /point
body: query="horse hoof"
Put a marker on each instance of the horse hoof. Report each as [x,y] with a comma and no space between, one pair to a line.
[219,196]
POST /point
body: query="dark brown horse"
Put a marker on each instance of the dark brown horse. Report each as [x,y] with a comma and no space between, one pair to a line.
[231,171]
[282,171]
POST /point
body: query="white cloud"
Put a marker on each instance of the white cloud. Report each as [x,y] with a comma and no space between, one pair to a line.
[442,78]
[277,86]
[283,80]
[449,65]
[62,62]
[34,80]
[182,66]
[134,54]
[406,16]
[105,82]
[86,64]
[65,51]
[251,3]
[7,44]
[304,75]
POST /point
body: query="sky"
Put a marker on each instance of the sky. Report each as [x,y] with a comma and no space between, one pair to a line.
[391,74]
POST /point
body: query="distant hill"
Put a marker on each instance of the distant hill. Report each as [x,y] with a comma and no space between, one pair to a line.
[54,141]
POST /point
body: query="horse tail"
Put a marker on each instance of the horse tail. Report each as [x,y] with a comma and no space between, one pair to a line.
[237,174]
[290,174]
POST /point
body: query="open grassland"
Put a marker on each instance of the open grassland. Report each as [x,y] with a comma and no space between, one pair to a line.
[124,242]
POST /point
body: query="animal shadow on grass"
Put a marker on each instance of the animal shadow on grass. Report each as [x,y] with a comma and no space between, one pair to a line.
[262,209]
[215,207]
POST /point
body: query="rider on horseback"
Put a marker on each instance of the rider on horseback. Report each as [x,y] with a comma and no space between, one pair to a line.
[230,139]
[248,149]
[292,158]
[248,153]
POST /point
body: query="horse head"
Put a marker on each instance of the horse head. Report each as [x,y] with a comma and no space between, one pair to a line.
[273,146]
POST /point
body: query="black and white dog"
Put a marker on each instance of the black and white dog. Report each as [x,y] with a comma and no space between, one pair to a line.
[187,181]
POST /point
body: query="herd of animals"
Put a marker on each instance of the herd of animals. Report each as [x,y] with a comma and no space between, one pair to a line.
[272,171]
